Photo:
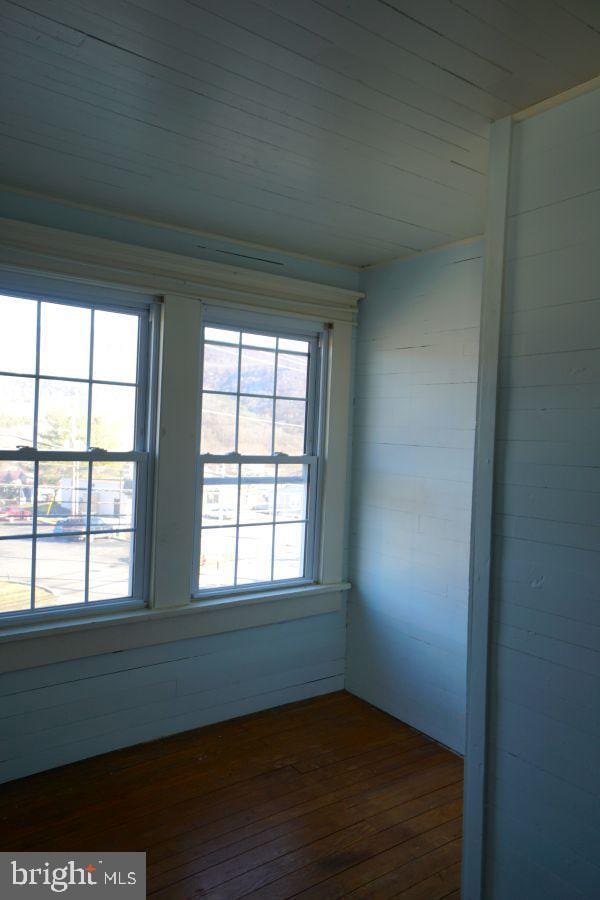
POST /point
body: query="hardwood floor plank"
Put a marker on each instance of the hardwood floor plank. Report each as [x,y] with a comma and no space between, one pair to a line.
[419,879]
[370,817]
[323,798]
[354,874]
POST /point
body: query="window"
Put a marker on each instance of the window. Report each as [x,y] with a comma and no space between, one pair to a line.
[74,460]
[259,457]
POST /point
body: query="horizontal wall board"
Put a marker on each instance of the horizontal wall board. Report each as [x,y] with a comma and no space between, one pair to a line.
[543,697]
[180,705]
[412,467]
[513,469]
[545,531]
[410,618]
[565,276]
[74,670]
[551,745]
[549,504]
[551,369]
[429,711]
[66,711]
[556,175]
[242,658]
[539,857]
[557,593]
[562,224]
[541,398]
[81,749]
[543,826]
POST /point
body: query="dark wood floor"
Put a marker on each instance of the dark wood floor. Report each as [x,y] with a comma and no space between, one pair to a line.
[319,799]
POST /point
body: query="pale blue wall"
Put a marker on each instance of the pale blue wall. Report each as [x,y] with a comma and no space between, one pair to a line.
[544,733]
[414,421]
[55,714]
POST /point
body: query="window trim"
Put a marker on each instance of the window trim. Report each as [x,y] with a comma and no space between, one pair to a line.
[147,309]
[316,334]
[42,261]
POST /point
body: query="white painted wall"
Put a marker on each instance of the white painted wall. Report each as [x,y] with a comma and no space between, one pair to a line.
[543,811]
[414,421]
[54,714]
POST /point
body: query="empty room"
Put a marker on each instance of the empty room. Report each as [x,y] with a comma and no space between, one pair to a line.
[300,449]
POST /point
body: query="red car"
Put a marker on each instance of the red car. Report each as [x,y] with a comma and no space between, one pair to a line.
[16,512]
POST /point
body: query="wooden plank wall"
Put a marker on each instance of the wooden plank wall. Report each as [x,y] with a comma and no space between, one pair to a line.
[544,778]
[55,714]
[414,421]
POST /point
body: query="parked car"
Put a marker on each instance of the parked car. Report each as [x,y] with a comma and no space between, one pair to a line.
[73,526]
[16,512]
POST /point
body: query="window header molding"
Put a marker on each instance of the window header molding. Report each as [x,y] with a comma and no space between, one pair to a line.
[25,247]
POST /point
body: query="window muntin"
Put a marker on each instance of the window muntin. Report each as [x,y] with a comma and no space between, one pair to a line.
[258,458]
[73,453]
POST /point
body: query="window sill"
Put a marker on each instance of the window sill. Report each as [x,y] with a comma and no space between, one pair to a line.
[91,635]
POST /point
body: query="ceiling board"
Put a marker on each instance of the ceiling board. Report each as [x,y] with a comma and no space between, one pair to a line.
[351,130]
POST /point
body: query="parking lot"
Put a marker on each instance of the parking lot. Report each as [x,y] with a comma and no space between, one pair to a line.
[60,570]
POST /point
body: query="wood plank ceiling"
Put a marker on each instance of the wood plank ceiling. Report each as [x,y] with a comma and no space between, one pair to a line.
[350,130]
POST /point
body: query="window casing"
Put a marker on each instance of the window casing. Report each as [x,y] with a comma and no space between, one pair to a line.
[259,462]
[75,454]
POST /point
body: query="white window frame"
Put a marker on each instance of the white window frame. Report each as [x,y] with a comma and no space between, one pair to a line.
[316,335]
[39,261]
[147,309]
[174,569]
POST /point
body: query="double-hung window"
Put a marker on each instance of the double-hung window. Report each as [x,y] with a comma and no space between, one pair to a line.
[74,453]
[259,455]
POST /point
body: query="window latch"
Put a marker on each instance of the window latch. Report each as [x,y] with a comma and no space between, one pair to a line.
[97,450]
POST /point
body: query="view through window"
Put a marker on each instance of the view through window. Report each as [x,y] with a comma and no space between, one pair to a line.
[72,452]
[258,458]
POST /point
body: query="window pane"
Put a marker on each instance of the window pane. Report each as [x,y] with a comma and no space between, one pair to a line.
[257,375]
[218,423]
[15,575]
[65,341]
[256,426]
[60,570]
[220,495]
[296,346]
[111,566]
[257,492]
[291,375]
[17,399]
[62,418]
[264,496]
[221,334]
[217,557]
[115,346]
[289,552]
[254,553]
[258,340]
[220,368]
[16,497]
[18,329]
[113,495]
[113,417]
[289,426]
[62,497]
[292,492]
